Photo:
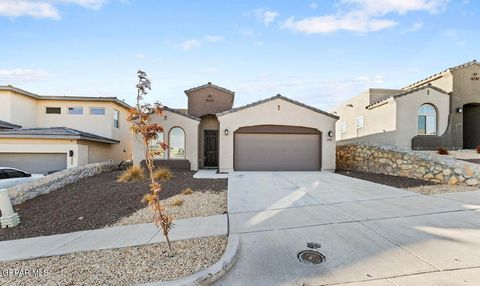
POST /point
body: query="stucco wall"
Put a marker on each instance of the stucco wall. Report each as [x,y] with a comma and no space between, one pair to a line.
[23,110]
[268,114]
[5,110]
[209,100]
[170,120]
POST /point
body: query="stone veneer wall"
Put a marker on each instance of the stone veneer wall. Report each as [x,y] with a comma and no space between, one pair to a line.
[394,161]
[20,193]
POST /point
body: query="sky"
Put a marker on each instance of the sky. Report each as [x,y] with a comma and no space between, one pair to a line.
[318,52]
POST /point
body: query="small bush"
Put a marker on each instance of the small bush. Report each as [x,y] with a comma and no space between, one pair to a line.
[132,174]
[163,174]
[187,192]
[478,149]
[442,151]
[177,202]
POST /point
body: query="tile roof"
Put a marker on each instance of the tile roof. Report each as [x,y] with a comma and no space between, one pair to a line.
[8,125]
[437,75]
[406,93]
[180,112]
[55,132]
[278,96]
[209,84]
[74,98]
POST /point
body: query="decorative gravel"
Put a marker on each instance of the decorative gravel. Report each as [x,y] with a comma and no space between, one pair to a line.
[122,266]
[470,155]
[441,189]
[194,205]
[96,202]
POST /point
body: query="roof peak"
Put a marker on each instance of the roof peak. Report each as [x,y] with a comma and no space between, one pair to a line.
[209,84]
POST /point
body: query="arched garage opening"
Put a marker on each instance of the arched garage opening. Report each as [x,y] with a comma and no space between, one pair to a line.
[471,125]
[277,148]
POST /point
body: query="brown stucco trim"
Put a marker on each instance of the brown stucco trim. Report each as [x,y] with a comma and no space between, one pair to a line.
[278,96]
[277,129]
[209,84]
[383,100]
[66,98]
[439,75]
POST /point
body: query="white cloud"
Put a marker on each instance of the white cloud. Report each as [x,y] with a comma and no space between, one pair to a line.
[22,75]
[363,16]
[42,9]
[266,16]
[190,45]
[415,27]
[313,5]
[213,38]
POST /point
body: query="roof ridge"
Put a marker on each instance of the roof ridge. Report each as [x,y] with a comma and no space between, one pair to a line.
[429,85]
[209,84]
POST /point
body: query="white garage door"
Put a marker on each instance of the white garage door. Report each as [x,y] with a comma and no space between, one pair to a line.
[270,151]
[34,163]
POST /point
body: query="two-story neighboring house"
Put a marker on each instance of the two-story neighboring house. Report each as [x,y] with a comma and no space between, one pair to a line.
[41,134]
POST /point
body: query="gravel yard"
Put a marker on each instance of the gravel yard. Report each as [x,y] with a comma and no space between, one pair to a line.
[194,205]
[413,185]
[97,202]
[469,155]
[122,266]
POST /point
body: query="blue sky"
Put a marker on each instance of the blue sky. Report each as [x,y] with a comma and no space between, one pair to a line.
[318,52]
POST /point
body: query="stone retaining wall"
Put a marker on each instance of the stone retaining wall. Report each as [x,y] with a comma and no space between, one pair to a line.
[20,193]
[393,161]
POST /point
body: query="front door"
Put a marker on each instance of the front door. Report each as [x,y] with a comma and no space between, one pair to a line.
[210,148]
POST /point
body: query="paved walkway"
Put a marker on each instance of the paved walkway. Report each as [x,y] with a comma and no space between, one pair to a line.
[209,174]
[112,237]
[370,234]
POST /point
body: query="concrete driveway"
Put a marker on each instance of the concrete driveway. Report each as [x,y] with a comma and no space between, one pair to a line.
[370,234]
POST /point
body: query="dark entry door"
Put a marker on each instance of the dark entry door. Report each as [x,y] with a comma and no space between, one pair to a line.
[210,147]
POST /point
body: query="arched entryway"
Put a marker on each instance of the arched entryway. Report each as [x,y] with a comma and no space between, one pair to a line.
[471,125]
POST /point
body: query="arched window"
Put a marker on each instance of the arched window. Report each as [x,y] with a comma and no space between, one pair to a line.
[157,147]
[177,143]
[427,120]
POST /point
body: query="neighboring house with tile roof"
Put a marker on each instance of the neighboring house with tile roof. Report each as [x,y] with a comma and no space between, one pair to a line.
[442,110]
[40,133]
[277,133]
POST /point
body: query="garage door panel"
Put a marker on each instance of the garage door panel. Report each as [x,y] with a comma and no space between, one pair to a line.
[35,163]
[277,152]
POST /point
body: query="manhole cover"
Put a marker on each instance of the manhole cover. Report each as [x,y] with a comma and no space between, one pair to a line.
[310,257]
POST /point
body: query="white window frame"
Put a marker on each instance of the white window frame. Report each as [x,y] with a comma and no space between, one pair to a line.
[428,116]
[343,127]
[360,122]
[97,108]
[116,118]
[46,107]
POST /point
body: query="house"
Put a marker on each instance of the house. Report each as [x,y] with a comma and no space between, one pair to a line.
[277,133]
[442,110]
[41,134]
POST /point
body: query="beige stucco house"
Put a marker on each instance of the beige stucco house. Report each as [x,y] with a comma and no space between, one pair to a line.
[272,134]
[41,134]
[442,110]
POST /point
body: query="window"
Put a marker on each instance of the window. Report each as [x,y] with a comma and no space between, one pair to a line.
[177,143]
[427,120]
[97,111]
[53,110]
[156,145]
[343,127]
[360,122]
[75,110]
[14,173]
[116,118]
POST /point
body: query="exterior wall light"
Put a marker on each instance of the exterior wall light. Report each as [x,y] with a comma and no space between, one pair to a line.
[225,131]
[330,133]
[459,109]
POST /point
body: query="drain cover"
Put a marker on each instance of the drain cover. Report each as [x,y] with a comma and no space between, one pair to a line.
[310,257]
[313,245]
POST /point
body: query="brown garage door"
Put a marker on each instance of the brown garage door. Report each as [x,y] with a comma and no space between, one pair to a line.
[35,163]
[298,150]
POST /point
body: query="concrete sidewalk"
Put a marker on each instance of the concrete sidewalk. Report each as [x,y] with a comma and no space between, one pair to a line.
[112,237]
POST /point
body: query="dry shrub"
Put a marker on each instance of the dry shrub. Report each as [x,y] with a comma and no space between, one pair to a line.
[478,149]
[187,191]
[177,202]
[163,174]
[442,151]
[132,174]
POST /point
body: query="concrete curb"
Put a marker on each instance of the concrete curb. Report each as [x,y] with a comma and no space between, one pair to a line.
[211,274]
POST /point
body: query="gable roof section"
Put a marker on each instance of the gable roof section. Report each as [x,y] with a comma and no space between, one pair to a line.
[278,96]
[55,133]
[180,112]
[406,93]
[440,74]
[73,98]
[209,84]
[8,125]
